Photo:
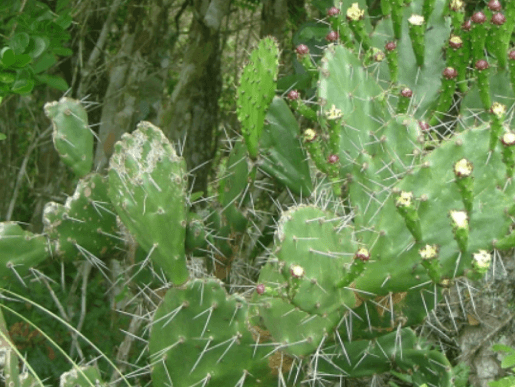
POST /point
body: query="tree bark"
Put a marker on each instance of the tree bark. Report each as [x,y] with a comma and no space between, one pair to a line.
[191,114]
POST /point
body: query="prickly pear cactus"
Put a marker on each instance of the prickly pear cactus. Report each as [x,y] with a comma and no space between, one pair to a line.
[73,139]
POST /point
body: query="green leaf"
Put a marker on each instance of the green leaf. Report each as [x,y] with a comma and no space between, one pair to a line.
[64,21]
[62,51]
[508,361]
[44,62]
[38,45]
[22,60]
[7,77]
[502,347]
[23,86]
[53,81]
[2,136]
[19,42]
[8,56]
[508,381]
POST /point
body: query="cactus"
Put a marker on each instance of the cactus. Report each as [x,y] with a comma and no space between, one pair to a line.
[381,212]
[73,139]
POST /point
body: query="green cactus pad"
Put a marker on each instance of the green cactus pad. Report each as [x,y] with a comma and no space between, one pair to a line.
[147,186]
[73,139]
[257,89]
[85,226]
[19,251]
[200,335]
[84,376]
[313,241]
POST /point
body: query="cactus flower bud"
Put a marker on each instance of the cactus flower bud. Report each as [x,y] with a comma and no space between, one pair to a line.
[354,13]
[407,92]
[293,95]
[508,139]
[333,159]
[459,219]
[379,56]
[424,126]
[466,26]
[309,135]
[498,109]
[260,289]
[455,42]
[482,260]
[297,271]
[362,254]
[429,251]
[481,65]
[463,168]
[390,46]
[498,19]
[302,50]
[332,36]
[478,18]
[333,113]
[511,55]
[494,5]
[416,20]
[450,73]
[456,5]
[333,11]
[405,199]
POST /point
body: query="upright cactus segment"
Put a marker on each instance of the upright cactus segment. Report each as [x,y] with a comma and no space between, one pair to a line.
[83,376]
[85,226]
[200,336]
[147,186]
[20,250]
[256,91]
[73,139]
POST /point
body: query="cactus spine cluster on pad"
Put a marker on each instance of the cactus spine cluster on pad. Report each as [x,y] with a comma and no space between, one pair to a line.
[400,183]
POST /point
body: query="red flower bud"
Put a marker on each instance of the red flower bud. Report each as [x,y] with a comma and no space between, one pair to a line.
[498,19]
[332,36]
[479,17]
[332,159]
[450,73]
[494,5]
[260,289]
[390,46]
[333,11]
[481,65]
[293,95]
[302,50]
[466,26]
[406,93]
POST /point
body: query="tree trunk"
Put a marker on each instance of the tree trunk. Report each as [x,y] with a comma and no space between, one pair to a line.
[191,115]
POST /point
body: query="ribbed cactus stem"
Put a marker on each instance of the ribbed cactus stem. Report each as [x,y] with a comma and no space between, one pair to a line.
[479,33]
[498,114]
[429,255]
[406,207]
[397,11]
[508,141]
[483,80]
[460,226]
[457,11]
[458,57]
[428,8]
[511,64]
[298,105]
[392,57]
[355,16]
[481,262]
[417,27]
[405,96]
[463,172]
[499,38]
[311,141]
[357,267]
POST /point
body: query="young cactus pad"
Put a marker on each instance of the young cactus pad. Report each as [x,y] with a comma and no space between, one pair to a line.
[256,91]
[147,186]
[73,139]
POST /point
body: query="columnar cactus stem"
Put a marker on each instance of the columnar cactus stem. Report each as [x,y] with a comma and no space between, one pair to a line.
[392,57]
[478,35]
[508,140]
[481,262]
[463,172]
[298,104]
[499,38]
[405,96]
[355,17]
[357,266]
[511,64]
[397,10]
[460,226]
[408,211]
[429,6]
[457,8]
[458,57]
[386,7]
[483,81]
[498,114]
[312,143]
[429,255]
[305,58]
[449,77]
[417,26]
